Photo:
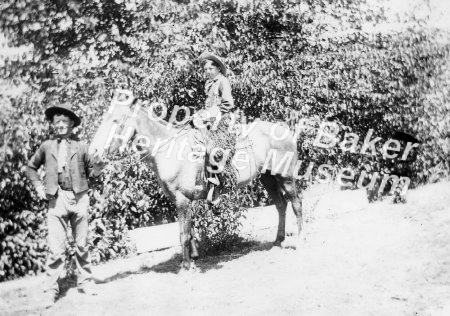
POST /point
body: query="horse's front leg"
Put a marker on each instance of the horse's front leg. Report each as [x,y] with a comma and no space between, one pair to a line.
[186,231]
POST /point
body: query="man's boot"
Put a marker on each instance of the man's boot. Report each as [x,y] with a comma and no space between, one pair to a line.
[49,298]
[87,288]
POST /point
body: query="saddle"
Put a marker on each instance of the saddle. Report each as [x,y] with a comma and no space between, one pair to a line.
[215,180]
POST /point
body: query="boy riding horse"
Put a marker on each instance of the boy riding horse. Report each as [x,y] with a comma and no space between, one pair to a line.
[218,106]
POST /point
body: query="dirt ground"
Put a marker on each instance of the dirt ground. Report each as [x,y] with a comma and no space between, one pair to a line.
[354,258]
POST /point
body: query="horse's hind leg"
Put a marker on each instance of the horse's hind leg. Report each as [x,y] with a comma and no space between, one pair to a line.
[274,189]
[288,185]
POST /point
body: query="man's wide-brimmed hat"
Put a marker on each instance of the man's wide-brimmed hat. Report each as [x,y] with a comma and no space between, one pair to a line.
[216,59]
[64,108]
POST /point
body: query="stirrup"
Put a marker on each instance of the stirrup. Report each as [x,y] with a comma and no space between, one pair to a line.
[211,196]
[214,180]
[216,201]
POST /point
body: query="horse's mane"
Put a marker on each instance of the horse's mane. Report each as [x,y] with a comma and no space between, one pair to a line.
[165,123]
[185,126]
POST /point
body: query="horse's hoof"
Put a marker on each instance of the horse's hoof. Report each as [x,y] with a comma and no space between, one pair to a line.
[299,241]
[188,268]
[277,243]
[290,243]
[194,268]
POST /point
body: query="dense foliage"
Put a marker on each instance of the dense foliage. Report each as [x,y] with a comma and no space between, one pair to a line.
[288,59]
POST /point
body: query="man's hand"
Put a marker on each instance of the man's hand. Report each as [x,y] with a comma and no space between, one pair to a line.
[41,193]
[98,164]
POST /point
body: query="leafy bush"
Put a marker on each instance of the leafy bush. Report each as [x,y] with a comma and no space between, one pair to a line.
[218,226]
[22,229]
[127,197]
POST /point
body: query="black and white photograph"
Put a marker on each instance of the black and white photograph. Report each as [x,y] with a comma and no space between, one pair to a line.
[225,157]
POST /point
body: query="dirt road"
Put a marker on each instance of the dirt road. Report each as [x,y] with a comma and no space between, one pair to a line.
[355,258]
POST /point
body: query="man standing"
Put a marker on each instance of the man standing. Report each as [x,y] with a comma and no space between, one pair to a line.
[67,167]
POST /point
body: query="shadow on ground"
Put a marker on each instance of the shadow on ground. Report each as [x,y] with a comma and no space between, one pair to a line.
[66,283]
[208,261]
[30,297]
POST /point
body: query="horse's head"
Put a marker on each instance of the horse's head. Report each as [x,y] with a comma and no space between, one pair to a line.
[116,127]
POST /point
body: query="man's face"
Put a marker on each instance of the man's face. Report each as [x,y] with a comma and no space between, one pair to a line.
[62,124]
[210,70]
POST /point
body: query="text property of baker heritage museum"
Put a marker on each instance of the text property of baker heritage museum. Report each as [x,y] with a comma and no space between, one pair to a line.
[276,162]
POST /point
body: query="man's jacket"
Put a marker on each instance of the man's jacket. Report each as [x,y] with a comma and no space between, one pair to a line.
[78,161]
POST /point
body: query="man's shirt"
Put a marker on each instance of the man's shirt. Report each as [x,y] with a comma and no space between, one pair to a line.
[218,94]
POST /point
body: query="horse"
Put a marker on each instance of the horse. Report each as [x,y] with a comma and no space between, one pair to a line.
[177,170]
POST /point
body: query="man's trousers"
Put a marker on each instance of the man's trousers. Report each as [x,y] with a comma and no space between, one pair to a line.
[72,208]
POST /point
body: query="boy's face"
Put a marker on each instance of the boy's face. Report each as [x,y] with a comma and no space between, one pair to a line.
[63,124]
[211,71]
